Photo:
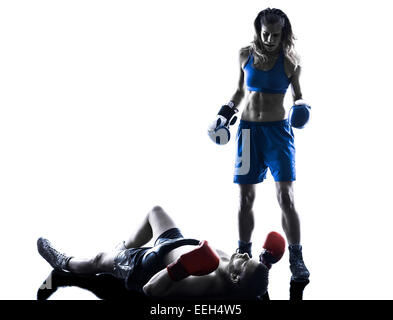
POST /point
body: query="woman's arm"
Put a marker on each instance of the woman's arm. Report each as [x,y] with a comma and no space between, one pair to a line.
[239,94]
[295,84]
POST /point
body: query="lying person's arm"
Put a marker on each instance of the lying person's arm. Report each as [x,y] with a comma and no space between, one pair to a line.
[162,285]
[191,275]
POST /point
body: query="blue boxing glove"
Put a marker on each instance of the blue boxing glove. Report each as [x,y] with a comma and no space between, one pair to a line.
[299,115]
[218,130]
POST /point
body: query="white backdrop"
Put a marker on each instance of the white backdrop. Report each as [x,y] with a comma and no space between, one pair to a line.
[104,109]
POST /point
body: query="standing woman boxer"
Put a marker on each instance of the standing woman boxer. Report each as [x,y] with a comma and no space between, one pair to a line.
[265,138]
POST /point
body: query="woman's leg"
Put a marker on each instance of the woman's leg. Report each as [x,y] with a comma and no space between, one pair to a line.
[290,217]
[246,217]
[291,226]
[246,214]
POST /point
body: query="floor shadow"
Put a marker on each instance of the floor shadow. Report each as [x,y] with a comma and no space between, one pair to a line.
[104,286]
[107,287]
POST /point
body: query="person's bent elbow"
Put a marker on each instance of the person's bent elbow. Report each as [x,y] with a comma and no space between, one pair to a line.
[152,291]
[147,290]
[155,290]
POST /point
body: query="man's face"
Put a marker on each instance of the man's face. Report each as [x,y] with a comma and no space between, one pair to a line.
[241,264]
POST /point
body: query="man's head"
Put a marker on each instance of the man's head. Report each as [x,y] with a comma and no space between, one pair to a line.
[248,277]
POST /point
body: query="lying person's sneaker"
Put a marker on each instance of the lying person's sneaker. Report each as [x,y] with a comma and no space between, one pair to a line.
[297,266]
[57,260]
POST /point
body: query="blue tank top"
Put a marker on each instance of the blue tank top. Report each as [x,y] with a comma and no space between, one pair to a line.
[273,81]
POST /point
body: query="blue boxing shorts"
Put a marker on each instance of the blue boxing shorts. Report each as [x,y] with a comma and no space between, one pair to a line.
[263,145]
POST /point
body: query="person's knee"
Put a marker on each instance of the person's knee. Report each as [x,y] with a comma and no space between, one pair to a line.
[157,208]
[99,261]
[286,200]
[159,221]
[247,200]
[157,212]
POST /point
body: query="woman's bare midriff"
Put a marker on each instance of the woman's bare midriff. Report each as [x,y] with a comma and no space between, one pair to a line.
[263,107]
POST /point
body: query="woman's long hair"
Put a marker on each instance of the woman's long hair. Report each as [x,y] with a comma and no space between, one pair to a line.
[271,16]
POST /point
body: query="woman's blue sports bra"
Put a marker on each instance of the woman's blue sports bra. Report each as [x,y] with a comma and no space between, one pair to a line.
[273,81]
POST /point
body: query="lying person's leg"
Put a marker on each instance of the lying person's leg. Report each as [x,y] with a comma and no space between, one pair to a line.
[155,223]
[102,262]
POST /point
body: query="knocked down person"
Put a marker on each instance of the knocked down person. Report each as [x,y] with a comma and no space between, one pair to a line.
[175,266]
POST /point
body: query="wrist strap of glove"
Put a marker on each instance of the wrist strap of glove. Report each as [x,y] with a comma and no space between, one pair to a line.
[227,112]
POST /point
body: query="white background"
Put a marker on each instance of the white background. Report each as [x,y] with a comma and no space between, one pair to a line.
[104,109]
